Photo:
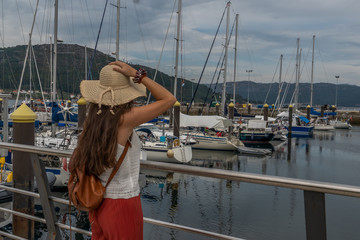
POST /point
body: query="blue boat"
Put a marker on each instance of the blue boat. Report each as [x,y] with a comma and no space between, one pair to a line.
[300,127]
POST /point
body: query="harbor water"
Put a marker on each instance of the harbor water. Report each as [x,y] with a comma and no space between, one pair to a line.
[252,211]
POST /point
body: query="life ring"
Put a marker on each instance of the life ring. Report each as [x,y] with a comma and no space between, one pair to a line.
[176,142]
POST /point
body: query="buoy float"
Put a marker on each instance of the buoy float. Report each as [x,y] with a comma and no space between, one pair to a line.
[170,153]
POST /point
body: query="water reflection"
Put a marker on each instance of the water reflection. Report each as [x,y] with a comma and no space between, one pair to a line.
[214,159]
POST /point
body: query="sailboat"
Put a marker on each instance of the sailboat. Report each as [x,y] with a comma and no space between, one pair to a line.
[165,147]
[300,126]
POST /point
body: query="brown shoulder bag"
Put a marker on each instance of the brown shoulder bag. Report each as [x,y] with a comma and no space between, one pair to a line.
[86,191]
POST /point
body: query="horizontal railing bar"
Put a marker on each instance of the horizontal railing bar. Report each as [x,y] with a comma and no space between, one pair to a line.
[35,149]
[189,229]
[309,185]
[32,194]
[42,220]
[301,184]
[75,229]
[12,236]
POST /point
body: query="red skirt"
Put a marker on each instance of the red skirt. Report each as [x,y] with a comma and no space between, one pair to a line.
[117,219]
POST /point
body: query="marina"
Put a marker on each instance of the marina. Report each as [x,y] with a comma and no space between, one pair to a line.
[244,209]
[215,165]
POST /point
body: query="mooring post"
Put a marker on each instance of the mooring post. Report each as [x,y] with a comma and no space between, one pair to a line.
[217,107]
[290,119]
[333,110]
[266,112]
[177,119]
[81,112]
[23,174]
[231,107]
[308,107]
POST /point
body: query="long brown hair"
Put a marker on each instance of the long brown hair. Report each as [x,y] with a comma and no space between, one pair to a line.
[97,143]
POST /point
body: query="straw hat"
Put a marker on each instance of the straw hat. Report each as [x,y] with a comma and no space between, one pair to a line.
[112,89]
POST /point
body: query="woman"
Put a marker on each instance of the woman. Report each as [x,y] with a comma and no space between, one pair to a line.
[109,124]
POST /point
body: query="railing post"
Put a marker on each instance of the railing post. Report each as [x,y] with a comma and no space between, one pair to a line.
[46,203]
[23,174]
[315,218]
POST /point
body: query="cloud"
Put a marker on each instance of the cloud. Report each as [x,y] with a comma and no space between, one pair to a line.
[266,30]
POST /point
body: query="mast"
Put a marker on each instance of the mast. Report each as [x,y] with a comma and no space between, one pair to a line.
[222,106]
[85,62]
[53,94]
[296,97]
[312,74]
[117,29]
[277,102]
[26,55]
[235,54]
[177,46]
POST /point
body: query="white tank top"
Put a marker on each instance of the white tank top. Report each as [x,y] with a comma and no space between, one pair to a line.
[125,183]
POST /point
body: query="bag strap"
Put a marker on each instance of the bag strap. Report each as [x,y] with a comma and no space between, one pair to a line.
[118,164]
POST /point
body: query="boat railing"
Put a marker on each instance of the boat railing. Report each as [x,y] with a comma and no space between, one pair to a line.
[314,194]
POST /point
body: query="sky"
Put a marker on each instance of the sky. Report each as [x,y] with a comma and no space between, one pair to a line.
[266,29]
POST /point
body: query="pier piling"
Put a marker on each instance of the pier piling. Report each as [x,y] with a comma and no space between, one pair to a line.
[177,119]
[81,112]
[308,111]
[290,120]
[266,112]
[23,173]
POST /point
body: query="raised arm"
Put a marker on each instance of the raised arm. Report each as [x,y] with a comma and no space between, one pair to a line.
[139,115]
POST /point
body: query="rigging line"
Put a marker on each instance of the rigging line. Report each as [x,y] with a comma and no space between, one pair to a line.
[88,14]
[38,75]
[27,54]
[322,62]
[22,28]
[141,34]
[43,21]
[207,94]
[162,48]
[272,80]
[97,40]
[36,25]
[207,58]
[8,60]
[222,64]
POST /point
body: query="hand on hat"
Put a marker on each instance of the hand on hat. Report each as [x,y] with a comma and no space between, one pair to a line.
[123,68]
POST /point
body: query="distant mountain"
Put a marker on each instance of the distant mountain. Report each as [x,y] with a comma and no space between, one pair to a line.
[71,70]
[324,93]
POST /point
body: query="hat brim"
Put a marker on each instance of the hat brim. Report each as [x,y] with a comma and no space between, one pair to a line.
[94,92]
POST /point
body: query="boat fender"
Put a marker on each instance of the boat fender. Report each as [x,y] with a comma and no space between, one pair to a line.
[9,177]
[176,142]
[170,153]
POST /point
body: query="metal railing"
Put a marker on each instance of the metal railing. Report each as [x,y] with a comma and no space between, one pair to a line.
[314,192]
